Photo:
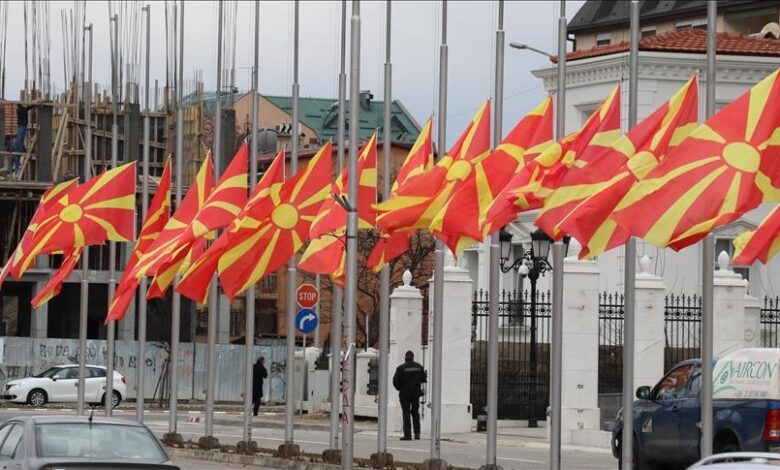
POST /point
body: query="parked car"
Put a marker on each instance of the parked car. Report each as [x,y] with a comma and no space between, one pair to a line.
[740,461]
[60,384]
[746,406]
[80,442]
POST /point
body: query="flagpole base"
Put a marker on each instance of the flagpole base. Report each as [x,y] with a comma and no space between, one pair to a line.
[247,447]
[382,460]
[208,443]
[491,466]
[332,456]
[288,450]
[435,464]
[173,439]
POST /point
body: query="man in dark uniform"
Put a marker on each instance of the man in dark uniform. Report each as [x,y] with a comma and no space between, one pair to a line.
[258,374]
[408,380]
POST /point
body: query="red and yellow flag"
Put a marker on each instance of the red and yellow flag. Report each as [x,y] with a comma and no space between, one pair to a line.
[629,159]
[535,181]
[418,162]
[103,208]
[157,217]
[54,286]
[460,220]
[325,253]
[14,264]
[194,284]
[258,247]
[760,244]
[418,201]
[727,166]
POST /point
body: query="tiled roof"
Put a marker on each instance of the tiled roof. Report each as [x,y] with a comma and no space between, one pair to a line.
[688,41]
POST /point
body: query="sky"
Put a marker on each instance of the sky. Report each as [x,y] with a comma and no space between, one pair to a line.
[416,33]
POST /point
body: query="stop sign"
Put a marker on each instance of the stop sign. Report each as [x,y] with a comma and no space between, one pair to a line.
[307,295]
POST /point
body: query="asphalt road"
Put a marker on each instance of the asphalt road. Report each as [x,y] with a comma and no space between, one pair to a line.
[467,450]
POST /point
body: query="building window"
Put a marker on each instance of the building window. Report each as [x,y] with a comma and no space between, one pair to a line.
[603,39]
[648,32]
[699,23]
[727,245]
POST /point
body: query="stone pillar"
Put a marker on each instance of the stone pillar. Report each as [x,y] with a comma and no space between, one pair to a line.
[126,327]
[752,322]
[649,336]
[406,304]
[39,317]
[729,306]
[223,319]
[456,350]
[579,399]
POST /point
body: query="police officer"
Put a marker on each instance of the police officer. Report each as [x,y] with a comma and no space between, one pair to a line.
[408,380]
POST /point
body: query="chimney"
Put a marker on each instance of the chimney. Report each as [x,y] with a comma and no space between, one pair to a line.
[365,99]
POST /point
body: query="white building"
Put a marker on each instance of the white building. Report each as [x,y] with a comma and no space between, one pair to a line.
[671,50]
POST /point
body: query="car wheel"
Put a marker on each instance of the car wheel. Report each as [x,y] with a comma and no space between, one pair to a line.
[37,397]
[116,399]
[638,460]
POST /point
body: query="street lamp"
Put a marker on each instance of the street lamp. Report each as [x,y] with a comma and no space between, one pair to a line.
[532,264]
[520,45]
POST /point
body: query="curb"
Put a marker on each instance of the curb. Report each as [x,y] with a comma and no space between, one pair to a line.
[255,460]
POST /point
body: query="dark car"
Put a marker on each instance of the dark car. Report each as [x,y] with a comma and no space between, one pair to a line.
[76,442]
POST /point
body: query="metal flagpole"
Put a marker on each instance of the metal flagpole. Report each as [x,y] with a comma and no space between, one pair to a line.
[333,455]
[111,327]
[629,290]
[350,290]
[211,350]
[708,257]
[557,284]
[249,330]
[173,363]
[492,372]
[289,448]
[383,459]
[84,301]
[435,460]
[141,361]
[316,333]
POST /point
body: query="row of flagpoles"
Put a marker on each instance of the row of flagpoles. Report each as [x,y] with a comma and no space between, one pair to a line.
[667,180]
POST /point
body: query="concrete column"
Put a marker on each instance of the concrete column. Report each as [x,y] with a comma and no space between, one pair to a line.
[365,404]
[223,320]
[580,411]
[126,327]
[752,322]
[39,317]
[456,352]
[406,304]
[649,321]
[729,309]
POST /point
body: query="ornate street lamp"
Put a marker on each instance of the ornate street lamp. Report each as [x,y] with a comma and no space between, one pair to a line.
[532,264]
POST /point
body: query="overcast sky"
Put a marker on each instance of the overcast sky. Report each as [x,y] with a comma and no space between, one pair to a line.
[415,43]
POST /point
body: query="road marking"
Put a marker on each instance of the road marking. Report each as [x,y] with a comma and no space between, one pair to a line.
[521,460]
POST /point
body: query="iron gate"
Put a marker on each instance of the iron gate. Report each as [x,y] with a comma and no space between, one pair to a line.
[611,313]
[770,321]
[682,328]
[523,383]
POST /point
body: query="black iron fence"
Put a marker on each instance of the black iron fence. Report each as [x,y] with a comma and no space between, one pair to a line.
[682,328]
[611,312]
[770,322]
[523,377]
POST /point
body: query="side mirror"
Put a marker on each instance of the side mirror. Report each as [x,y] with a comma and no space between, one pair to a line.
[643,392]
[54,378]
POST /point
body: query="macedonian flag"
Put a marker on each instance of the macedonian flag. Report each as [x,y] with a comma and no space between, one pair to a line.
[54,286]
[460,220]
[261,244]
[103,208]
[417,202]
[24,247]
[157,217]
[326,251]
[194,284]
[615,170]
[418,161]
[528,189]
[760,244]
[727,166]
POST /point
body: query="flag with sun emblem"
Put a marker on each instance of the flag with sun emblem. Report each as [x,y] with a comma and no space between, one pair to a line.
[194,284]
[261,244]
[54,286]
[760,244]
[726,167]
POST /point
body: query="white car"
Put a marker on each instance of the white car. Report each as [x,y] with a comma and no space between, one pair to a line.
[60,384]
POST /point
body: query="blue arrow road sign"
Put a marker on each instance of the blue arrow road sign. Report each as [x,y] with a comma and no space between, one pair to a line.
[306,320]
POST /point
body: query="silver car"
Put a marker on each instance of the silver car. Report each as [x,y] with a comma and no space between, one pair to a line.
[78,442]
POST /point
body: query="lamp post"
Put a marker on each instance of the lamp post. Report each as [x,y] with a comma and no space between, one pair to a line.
[522,46]
[531,264]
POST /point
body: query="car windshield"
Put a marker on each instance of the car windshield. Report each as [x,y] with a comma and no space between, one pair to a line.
[97,441]
[48,372]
